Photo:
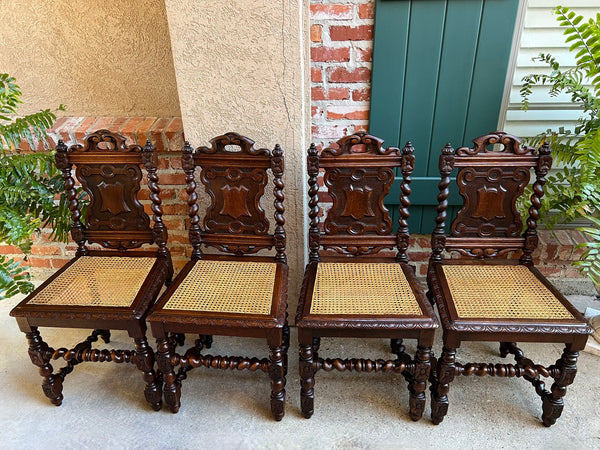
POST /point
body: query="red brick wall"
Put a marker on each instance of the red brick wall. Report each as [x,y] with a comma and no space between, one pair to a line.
[341,47]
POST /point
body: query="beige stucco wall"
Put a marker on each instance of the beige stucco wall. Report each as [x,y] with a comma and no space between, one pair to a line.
[98,57]
[242,66]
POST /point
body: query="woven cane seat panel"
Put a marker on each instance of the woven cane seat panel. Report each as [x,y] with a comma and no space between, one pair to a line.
[227,287]
[363,288]
[97,281]
[501,292]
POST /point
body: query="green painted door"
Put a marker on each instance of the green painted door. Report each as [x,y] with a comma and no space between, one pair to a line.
[439,69]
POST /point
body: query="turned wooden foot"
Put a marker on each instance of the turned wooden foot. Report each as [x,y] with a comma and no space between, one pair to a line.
[307,381]
[171,386]
[205,339]
[104,335]
[144,361]
[397,347]
[418,382]
[440,384]
[40,355]
[552,402]
[277,382]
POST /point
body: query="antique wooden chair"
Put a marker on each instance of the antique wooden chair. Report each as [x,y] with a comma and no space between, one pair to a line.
[103,289]
[351,288]
[483,298]
[231,294]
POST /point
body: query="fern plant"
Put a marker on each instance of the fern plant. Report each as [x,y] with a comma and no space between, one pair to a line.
[28,185]
[589,264]
[574,190]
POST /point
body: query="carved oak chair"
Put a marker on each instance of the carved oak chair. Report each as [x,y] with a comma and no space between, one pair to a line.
[234,293]
[103,289]
[481,297]
[351,288]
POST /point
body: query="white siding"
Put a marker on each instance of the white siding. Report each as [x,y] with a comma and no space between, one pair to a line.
[542,34]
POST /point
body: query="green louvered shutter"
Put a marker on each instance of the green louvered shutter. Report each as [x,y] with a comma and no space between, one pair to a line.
[439,70]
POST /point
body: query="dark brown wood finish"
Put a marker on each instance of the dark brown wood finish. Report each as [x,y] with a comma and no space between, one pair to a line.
[358,173]
[235,176]
[489,226]
[110,173]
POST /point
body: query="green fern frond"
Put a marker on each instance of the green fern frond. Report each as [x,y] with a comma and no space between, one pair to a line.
[14,278]
[589,264]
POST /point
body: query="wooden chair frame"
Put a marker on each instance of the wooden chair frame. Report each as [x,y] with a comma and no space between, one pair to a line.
[484,231]
[356,231]
[108,170]
[235,225]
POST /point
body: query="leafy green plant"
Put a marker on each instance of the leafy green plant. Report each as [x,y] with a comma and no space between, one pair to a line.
[589,264]
[574,190]
[28,185]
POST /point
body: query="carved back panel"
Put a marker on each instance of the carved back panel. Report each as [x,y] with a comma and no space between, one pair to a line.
[109,172]
[492,176]
[234,175]
[358,174]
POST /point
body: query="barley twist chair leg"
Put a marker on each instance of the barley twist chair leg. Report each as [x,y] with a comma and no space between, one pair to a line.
[172,387]
[418,382]
[440,385]
[40,356]
[144,360]
[307,381]
[552,403]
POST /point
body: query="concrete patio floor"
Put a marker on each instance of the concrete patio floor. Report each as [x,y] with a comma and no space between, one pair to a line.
[104,405]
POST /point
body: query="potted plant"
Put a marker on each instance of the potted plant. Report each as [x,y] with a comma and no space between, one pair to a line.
[29,183]
[574,190]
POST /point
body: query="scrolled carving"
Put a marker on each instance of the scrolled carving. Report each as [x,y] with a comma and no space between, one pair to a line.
[219,146]
[511,145]
[105,141]
[359,143]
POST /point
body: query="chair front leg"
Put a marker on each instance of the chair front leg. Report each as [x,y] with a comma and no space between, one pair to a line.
[418,382]
[40,355]
[144,361]
[172,387]
[307,381]
[440,384]
[276,369]
[552,402]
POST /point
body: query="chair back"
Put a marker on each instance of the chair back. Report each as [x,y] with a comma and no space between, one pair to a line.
[234,175]
[358,174]
[110,173]
[492,175]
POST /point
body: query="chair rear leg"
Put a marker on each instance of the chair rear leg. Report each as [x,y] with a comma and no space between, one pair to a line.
[144,361]
[285,346]
[440,384]
[40,355]
[552,402]
[418,382]
[172,386]
[307,380]
[277,381]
